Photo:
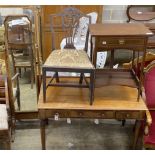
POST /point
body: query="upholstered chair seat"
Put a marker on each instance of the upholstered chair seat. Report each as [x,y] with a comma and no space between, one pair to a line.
[5,134]
[3,117]
[69,58]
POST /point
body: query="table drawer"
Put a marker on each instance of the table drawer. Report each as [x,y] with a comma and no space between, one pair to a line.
[52,113]
[129,115]
[120,42]
[76,114]
[92,114]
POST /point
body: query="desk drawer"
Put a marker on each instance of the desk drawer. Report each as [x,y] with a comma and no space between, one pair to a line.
[77,114]
[103,42]
[92,114]
[129,115]
[52,113]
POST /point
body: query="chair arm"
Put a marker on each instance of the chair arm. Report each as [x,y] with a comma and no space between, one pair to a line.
[150,66]
[148,122]
[15,77]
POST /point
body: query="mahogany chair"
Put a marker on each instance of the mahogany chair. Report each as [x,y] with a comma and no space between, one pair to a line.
[68,59]
[19,42]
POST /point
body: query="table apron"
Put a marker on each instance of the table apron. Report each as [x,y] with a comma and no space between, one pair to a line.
[100,114]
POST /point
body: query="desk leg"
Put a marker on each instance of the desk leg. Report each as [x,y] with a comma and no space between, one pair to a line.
[42,131]
[136,134]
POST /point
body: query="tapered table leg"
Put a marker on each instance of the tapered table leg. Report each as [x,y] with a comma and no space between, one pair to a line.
[42,131]
[136,134]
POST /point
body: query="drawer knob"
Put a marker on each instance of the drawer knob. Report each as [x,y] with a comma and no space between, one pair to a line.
[80,113]
[121,41]
[104,42]
[127,115]
[103,114]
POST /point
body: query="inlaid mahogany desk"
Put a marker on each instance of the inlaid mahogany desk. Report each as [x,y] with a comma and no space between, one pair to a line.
[132,36]
[111,102]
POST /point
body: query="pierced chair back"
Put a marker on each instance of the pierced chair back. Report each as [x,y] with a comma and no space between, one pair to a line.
[67,22]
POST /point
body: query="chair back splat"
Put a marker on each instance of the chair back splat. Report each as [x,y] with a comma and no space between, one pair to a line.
[68,23]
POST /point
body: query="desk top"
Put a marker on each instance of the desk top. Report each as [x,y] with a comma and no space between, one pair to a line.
[119,29]
[106,98]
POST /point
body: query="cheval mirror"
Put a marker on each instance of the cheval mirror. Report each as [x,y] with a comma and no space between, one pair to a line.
[20,48]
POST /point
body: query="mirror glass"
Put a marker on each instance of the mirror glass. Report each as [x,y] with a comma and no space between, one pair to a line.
[27,93]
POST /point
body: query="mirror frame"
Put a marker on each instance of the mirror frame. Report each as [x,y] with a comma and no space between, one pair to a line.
[38,62]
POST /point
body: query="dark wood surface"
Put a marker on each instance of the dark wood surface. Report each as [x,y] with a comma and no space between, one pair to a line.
[145,14]
[122,29]
[140,12]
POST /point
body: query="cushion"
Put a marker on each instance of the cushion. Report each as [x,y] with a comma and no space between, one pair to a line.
[68,58]
[150,138]
[3,117]
[149,85]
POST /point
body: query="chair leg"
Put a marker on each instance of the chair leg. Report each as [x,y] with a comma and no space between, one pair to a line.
[91,87]
[57,77]
[81,78]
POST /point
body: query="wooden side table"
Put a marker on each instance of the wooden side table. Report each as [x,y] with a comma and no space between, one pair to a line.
[132,36]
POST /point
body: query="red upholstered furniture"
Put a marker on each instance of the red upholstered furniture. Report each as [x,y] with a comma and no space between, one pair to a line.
[149,85]
[148,95]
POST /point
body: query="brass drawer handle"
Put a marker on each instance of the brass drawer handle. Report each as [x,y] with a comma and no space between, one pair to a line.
[103,115]
[127,115]
[104,42]
[121,41]
[80,113]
